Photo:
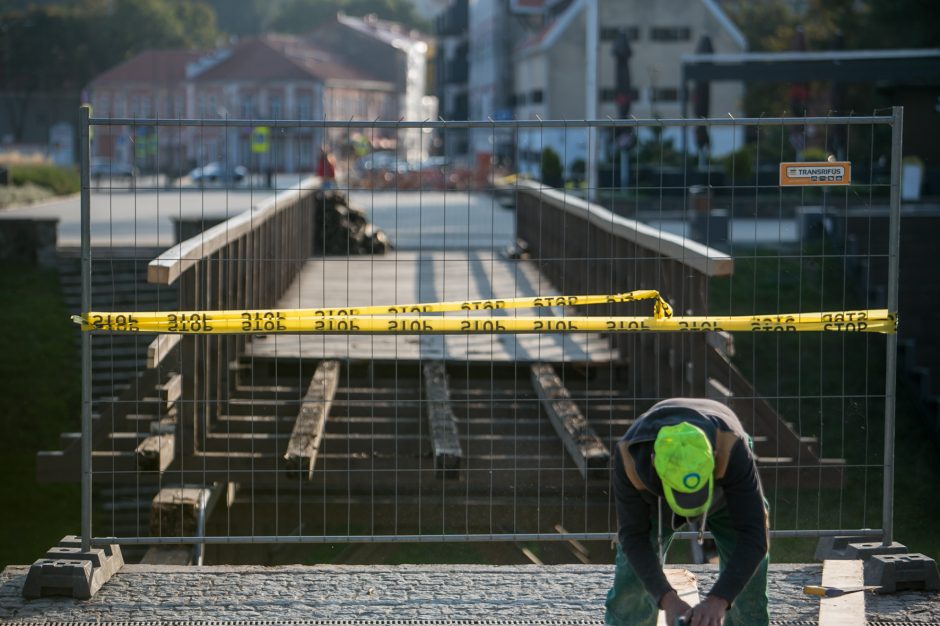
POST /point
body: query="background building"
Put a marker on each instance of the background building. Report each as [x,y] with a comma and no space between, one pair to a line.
[549,69]
[350,68]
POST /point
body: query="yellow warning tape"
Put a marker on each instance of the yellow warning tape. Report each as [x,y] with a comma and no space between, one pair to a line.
[376,319]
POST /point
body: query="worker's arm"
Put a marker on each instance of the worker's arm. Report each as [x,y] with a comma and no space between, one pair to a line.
[633,515]
[745,502]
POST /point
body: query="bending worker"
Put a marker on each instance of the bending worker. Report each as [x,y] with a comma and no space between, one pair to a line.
[695,455]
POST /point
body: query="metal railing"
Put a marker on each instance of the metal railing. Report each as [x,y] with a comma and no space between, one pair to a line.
[226,411]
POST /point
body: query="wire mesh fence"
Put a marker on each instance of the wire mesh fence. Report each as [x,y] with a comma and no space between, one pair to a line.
[255,426]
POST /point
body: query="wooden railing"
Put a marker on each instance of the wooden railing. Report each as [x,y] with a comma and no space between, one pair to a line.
[246,262]
[585,249]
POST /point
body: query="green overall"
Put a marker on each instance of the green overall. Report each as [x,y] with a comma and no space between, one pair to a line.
[628,603]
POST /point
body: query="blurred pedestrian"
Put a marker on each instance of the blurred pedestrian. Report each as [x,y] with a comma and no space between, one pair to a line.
[326,168]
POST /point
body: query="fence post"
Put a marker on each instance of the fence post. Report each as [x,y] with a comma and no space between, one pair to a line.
[84,163]
[894,244]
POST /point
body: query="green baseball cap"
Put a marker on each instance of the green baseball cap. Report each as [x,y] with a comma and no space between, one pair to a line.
[685,463]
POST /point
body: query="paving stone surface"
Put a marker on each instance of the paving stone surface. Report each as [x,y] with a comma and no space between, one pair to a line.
[417,594]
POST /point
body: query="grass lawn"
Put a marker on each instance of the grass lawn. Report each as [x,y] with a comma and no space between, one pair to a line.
[40,396]
[831,386]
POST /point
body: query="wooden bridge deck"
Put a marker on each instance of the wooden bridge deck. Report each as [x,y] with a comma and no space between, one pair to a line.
[433,276]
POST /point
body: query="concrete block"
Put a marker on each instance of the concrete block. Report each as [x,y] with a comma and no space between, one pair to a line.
[898,572]
[834,548]
[67,571]
[866,550]
[72,578]
[114,559]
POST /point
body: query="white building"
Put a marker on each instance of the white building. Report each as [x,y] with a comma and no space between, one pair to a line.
[549,77]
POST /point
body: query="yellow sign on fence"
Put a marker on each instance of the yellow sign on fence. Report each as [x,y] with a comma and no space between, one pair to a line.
[260,139]
[818,173]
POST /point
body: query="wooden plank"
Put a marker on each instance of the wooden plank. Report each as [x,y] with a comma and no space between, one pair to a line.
[174,511]
[584,446]
[442,423]
[171,391]
[307,434]
[849,609]
[155,453]
[685,584]
[160,348]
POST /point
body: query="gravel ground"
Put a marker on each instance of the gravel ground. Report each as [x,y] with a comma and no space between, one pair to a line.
[425,595]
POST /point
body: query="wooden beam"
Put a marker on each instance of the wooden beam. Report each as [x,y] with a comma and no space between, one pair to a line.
[171,390]
[849,609]
[160,348]
[584,446]
[155,453]
[305,439]
[175,511]
[708,261]
[442,423]
[684,582]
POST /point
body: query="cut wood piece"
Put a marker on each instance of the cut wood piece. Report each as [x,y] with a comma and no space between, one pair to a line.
[847,609]
[584,446]
[176,511]
[155,453]
[168,555]
[442,422]
[305,439]
[171,390]
[684,582]
[160,348]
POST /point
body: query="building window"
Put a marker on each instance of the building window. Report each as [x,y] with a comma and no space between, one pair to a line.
[135,106]
[304,108]
[670,33]
[610,95]
[119,106]
[213,106]
[247,107]
[610,33]
[536,96]
[275,107]
[145,106]
[665,94]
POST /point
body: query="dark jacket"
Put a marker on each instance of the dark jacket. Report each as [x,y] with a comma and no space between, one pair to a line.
[638,491]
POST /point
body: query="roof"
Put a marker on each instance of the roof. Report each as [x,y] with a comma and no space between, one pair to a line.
[392,33]
[281,57]
[550,34]
[914,66]
[151,66]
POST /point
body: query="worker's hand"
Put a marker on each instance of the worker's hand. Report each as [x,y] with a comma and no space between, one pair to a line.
[708,612]
[673,606]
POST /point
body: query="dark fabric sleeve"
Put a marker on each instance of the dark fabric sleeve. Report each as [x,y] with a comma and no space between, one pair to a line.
[745,502]
[633,515]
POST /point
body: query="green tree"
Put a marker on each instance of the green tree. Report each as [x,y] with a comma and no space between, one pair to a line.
[61,47]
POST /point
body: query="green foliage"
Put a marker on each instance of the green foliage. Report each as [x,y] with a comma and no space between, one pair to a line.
[815,154]
[551,168]
[299,16]
[657,151]
[40,397]
[63,46]
[739,165]
[58,180]
[770,25]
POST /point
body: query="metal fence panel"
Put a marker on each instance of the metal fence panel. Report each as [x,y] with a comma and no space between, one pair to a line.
[264,437]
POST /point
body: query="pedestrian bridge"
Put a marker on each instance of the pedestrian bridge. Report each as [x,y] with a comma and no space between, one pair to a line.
[409,437]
